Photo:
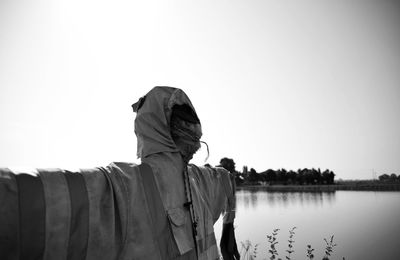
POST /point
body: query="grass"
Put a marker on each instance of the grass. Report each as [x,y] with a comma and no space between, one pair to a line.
[249,252]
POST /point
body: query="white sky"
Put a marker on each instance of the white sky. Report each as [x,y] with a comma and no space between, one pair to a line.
[277,84]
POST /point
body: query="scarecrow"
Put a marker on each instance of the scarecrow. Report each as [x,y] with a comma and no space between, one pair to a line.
[164,208]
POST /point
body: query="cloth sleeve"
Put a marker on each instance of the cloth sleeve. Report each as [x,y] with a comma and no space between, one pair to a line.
[217,188]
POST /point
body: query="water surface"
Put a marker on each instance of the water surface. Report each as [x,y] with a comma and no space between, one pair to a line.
[365,225]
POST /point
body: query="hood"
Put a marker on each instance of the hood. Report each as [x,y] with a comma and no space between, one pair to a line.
[152,123]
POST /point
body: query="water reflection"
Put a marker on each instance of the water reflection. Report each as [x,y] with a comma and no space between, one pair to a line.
[255,198]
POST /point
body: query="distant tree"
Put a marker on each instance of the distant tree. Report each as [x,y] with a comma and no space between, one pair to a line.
[300,177]
[228,164]
[325,176]
[269,175]
[384,177]
[245,170]
[316,176]
[254,176]
[308,176]
[282,176]
[331,179]
[291,177]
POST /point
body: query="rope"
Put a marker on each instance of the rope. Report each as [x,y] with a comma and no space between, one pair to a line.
[192,137]
[189,204]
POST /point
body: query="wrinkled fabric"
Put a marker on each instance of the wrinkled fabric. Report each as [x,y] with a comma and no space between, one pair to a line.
[118,222]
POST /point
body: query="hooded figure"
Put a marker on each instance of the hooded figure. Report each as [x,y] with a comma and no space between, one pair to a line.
[161,209]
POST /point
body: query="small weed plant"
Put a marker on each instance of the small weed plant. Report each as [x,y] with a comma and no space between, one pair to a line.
[310,254]
[290,249]
[328,248]
[272,240]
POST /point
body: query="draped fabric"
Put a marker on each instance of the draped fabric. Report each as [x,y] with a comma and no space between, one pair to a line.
[104,213]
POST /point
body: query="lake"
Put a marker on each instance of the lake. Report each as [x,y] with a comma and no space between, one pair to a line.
[365,224]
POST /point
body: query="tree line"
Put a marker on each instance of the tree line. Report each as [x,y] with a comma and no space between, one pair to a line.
[281,176]
[389,178]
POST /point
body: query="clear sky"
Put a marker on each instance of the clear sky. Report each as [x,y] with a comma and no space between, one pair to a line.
[276,84]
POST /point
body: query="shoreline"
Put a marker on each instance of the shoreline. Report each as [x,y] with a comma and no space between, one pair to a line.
[324,188]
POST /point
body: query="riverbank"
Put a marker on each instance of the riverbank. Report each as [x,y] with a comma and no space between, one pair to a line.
[345,185]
